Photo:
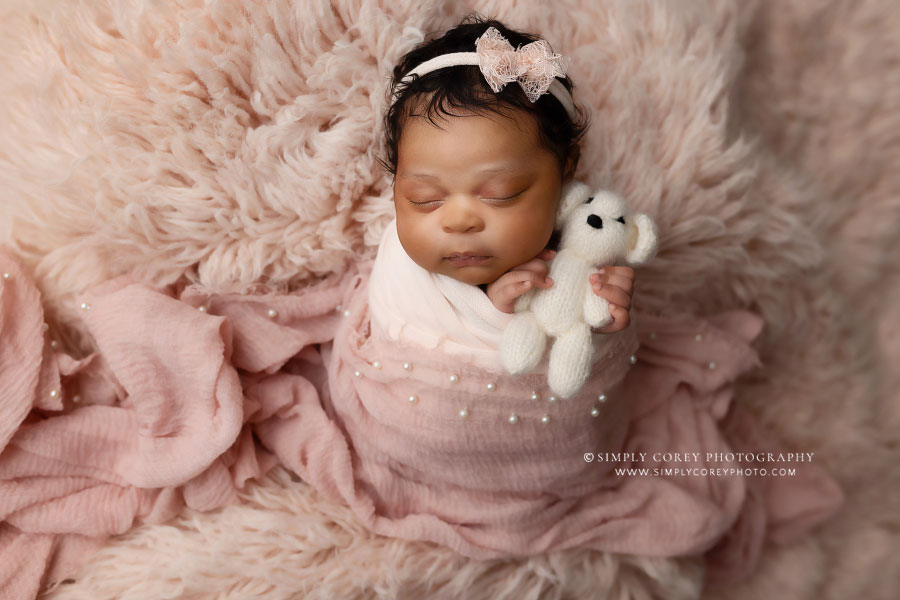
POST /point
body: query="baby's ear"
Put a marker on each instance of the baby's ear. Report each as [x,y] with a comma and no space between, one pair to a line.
[573,194]
[643,241]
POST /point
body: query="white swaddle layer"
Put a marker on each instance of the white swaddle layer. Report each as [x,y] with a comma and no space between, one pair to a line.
[411,305]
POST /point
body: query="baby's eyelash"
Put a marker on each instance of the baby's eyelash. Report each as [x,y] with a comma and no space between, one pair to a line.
[430,202]
[506,198]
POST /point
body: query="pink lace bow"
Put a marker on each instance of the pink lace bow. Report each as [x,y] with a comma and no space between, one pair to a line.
[534,65]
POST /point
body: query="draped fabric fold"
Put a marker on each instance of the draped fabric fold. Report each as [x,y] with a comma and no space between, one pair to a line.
[165,414]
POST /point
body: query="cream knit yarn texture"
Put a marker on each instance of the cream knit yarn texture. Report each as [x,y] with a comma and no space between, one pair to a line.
[597,230]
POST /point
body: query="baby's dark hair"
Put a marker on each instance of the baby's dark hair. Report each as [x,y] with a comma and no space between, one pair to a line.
[464,87]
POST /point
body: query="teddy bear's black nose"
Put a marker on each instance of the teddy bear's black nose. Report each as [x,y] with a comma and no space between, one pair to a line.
[595,221]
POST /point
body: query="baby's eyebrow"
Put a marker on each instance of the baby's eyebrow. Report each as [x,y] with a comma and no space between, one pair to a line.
[417,176]
[502,169]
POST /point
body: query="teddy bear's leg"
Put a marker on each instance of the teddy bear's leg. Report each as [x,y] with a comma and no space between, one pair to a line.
[596,308]
[570,360]
[523,344]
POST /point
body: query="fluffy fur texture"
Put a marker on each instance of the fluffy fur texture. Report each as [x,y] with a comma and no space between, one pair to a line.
[234,143]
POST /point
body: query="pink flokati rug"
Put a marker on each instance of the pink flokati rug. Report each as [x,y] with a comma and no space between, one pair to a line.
[233,144]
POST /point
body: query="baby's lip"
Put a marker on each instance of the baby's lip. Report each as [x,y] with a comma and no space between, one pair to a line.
[467,255]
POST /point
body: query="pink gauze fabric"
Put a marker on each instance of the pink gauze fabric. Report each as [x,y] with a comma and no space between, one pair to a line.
[168,406]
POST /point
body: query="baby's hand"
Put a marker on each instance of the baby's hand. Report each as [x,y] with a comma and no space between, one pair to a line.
[616,284]
[508,287]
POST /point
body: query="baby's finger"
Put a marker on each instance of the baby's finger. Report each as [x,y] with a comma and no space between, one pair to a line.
[621,320]
[525,280]
[623,283]
[620,315]
[535,265]
[613,294]
[619,271]
[504,296]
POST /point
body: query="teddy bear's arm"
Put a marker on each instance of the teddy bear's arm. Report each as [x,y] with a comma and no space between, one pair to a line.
[596,308]
[523,302]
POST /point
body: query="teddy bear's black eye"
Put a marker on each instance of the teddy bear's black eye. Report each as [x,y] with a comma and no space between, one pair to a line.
[621,220]
[589,200]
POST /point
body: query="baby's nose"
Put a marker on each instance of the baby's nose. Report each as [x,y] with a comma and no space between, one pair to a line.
[461,216]
[595,221]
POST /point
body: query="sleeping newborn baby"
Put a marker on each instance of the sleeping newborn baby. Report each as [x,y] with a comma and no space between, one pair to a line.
[429,438]
[425,436]
[449,447]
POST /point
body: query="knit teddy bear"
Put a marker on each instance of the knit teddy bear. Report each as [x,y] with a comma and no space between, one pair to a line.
[597,230]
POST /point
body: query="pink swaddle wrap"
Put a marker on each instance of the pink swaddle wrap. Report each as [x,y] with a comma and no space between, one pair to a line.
[418,351]
[169,406]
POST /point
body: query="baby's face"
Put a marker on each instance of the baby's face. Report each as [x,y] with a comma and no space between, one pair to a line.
[481,185]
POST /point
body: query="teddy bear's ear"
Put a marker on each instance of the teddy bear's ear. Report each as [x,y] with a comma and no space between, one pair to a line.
[643,239]
[573,194]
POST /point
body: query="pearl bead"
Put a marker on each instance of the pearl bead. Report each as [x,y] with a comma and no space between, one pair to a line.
[699,337]
[601,398]
[6,276]
[632,359]
[545,419]
[463,413]
[338,308]
[454,378]
[535,395]
[45,327]
[346,313]
[85,306]
[712,366]
[407,366]
[54,393]
[513,418]
[413,398]
[357,374]
[552,398]
[491,387]
[272,313]
[377,364]
[53,344]
[595,412]
[201,308]
[76,398]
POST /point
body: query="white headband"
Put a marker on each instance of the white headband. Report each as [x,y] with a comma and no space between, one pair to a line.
[534,66]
